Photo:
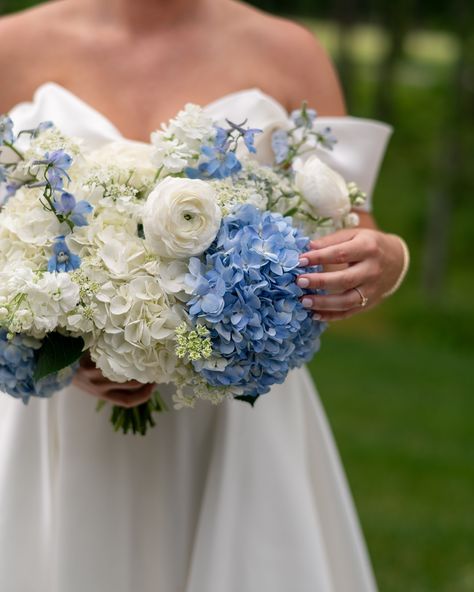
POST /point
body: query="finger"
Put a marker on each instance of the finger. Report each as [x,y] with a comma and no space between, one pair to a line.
[335,302]
[100,386]
[128,400]
[95,376]
[118,396]
[86,361]
[334,238]
[350,251]
[335,281]
[86,385]
[131,385]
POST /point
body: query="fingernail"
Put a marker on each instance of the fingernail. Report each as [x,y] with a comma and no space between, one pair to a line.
[303,282]
[317,317]
[307,302]
[304,262]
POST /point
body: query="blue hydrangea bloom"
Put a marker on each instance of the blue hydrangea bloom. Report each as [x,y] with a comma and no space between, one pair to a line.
[6,130]
[3,174]
[17,368]
[244,290]
[75,211]
[63,260]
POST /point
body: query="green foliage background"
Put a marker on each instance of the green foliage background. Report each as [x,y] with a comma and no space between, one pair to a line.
[397,382]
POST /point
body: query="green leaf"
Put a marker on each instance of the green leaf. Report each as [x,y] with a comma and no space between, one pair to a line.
[247,399]
[57,352]
[290,212]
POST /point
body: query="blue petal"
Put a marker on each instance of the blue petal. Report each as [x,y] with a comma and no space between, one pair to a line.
[67,203]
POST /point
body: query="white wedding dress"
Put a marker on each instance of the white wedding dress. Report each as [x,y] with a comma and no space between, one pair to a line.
[216,499]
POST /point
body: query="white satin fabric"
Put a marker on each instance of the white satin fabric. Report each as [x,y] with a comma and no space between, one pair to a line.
[216,499]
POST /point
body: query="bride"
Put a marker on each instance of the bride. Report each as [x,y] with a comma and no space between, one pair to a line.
[219,499]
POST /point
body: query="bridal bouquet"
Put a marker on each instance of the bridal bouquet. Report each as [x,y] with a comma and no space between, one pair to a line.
[169,262]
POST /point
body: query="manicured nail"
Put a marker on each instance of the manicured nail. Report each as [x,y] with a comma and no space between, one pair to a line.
[304,262]
[307,302]
[317,317]
[303,282]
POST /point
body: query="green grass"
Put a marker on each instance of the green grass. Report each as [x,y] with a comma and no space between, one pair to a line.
[397,382]
[402,416]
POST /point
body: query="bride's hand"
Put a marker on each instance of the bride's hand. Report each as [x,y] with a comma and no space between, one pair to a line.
[125,394]
[372,262]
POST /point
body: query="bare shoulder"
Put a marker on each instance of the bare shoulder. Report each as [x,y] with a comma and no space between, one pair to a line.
[304,69]
[26,50]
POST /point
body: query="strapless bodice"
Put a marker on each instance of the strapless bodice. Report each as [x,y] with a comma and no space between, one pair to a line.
[357,155]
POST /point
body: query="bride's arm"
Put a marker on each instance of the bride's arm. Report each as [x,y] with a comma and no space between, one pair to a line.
[365,257]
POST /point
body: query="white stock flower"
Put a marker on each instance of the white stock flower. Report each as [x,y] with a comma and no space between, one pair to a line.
[192,126]
[324,189]
[170,153]
[181,217]
[179,141]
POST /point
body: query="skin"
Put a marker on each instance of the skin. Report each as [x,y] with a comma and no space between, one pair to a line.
[157,54]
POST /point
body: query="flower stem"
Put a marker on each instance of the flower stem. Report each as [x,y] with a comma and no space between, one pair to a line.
[137,419]
[15,150]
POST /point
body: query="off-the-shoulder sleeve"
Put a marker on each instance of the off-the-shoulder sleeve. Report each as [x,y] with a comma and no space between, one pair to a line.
[70,114]
[359,151]
[357,155]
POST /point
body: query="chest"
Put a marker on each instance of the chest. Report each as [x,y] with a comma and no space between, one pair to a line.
[140,89]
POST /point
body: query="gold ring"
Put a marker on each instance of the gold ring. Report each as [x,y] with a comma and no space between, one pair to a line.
[363,299]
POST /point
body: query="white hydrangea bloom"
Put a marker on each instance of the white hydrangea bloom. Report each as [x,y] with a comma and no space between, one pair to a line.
[37,302]
[132,164]
[27,219]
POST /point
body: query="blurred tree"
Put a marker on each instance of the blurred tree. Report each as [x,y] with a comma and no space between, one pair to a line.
[345,13]
[396,18]
[453,178]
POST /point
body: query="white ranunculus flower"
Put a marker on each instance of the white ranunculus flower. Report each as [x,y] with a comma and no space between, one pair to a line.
[181,217]
[323,188]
